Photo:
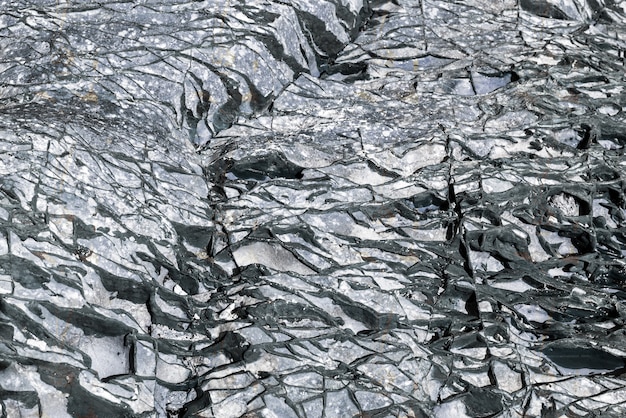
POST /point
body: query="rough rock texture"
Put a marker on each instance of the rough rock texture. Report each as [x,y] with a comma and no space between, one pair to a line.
[312,209]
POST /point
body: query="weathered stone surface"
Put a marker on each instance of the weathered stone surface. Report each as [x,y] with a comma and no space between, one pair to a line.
[331,208]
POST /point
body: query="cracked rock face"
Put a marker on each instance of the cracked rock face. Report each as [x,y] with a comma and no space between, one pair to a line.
[335,208]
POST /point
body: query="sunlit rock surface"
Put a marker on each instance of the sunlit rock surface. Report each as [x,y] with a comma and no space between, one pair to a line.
[307,209]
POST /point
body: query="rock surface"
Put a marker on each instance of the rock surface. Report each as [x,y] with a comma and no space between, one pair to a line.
[306,209]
